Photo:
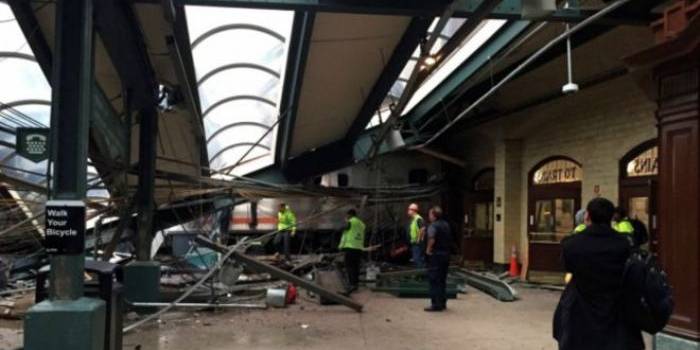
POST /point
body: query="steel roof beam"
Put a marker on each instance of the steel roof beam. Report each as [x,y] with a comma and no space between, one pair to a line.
[415,32]
[330,157]
[239,144]
[468,69]
[300,41]
[119,29]
[442,98]
[230,66]
[455,101]
[228,99]
[28,102]
[508,9]
[181,55]
[233,125]
[236,26]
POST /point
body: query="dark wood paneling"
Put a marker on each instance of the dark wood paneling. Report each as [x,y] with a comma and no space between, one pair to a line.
[545,257]
[679,195]
[674,66]
[477,249]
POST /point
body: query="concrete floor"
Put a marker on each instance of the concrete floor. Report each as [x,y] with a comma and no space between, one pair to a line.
[474,321]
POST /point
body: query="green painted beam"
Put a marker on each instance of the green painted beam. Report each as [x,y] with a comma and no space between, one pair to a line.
[508,9]
[108,133]
[299,45]
[468,69]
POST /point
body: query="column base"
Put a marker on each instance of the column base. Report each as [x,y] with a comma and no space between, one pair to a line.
[664,341]
[142,283]
[59,325]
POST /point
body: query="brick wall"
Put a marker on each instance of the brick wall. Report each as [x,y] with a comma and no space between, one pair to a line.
[596,127]
[508,167]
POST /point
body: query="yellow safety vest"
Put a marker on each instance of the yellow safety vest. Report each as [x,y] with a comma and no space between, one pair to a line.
[624,226]
[354,236]
[286,221]
[579,228]
[414,230]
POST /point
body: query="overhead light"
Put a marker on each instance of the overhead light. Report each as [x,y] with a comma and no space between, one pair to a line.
[429,60]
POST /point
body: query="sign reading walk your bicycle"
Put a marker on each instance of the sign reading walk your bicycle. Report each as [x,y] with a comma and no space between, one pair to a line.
[33,143]
[65,227]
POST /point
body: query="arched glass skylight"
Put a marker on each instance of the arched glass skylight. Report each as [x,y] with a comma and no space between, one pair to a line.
[239,57]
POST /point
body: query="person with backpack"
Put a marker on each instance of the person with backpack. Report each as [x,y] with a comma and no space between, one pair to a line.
[590,312]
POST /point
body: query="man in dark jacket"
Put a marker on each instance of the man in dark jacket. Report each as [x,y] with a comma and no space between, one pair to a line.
[438,254]
[589,312]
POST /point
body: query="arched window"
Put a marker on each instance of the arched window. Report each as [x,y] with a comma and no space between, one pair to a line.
[554,197]
[641,161]
[639,169]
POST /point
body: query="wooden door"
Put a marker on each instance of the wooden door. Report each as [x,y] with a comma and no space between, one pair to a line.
[544,250]
[477,239]
[640,202]
[679,219]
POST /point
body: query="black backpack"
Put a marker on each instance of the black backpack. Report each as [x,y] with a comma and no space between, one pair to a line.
[648,300]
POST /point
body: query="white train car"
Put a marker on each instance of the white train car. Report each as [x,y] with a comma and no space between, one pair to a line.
[393,170]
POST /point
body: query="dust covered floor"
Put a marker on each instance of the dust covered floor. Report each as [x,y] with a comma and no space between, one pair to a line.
[474,321]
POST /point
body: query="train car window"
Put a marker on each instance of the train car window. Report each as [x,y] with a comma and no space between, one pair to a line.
[343,180]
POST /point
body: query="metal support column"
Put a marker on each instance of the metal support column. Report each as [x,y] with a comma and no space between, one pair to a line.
[142,277]
[70,118]
[68,320]
[148,138]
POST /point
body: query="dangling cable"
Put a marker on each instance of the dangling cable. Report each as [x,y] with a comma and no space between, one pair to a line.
[570,87]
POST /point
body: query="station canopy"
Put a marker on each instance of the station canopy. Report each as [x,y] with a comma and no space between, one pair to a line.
[265,88]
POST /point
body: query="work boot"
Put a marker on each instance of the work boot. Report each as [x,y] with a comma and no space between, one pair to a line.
[433,309]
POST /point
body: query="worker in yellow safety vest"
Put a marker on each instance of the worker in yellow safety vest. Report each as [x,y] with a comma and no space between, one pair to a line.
[352,243]
[622,224]
[287,228]
[581,221]
[416,232]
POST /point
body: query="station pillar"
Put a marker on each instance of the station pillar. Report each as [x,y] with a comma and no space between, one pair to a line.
[670,71]
[142,277]
[68,320]
[508,193]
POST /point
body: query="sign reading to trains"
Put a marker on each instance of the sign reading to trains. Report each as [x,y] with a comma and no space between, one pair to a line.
[65,227]
[557,171]
[645,164]
[33,143]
